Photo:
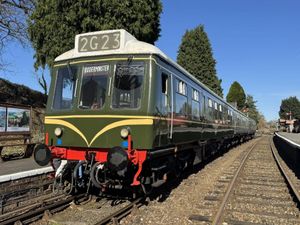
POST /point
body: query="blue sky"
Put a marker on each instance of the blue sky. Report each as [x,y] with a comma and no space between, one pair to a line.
[255,42]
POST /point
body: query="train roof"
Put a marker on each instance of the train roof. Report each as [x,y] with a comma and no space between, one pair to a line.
[128,44]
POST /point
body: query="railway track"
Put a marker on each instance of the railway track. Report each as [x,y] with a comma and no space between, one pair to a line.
[256,189]
[27,198]
[33,212]
[49,205]
[116,216]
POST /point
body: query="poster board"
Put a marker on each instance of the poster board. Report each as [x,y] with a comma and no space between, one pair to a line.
[14,119]
[2,119]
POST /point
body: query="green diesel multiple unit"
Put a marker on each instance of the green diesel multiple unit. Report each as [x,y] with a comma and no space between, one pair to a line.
[121,114]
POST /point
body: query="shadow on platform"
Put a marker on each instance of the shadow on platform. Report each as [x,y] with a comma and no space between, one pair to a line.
[289,153]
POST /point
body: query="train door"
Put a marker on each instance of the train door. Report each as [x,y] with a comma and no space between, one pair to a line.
[202,107]
[167,100]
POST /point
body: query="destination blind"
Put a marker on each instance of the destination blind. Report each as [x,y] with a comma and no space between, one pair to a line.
[99,42]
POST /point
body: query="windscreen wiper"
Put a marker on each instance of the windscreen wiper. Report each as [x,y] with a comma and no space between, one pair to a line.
[70,72]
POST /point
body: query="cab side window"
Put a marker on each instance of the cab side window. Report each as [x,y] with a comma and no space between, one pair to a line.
[164,89]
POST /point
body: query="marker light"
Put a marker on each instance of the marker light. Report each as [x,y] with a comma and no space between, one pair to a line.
[125,132]
[58,131]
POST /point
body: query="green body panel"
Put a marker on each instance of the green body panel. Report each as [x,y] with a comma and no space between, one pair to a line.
[109,121]
[187,129]
[89,127]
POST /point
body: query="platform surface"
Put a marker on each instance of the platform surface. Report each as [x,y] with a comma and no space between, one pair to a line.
[292,138]
[15,169]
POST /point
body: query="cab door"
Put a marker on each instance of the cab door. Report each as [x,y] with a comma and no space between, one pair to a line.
[166,103]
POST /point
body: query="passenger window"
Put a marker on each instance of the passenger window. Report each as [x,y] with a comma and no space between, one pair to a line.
[210,103]
[181,105]
[195,110]
[195,105]
[128,82]
[210,111]
[195,95]
[216,106]
[181,87]
[93,87]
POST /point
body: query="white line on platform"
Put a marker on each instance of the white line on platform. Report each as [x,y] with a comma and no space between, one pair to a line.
[29,173]
[288,140]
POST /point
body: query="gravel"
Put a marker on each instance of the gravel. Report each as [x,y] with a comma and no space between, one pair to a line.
[188,198]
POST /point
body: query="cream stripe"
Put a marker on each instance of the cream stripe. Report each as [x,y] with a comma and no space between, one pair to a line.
[100,116]
[66,124]
[134,117]
[122,123]
[131,122]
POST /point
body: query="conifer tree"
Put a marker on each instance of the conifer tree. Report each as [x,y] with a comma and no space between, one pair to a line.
[236,94]
[196,56]
[54,23]
[251,108]
[291,104]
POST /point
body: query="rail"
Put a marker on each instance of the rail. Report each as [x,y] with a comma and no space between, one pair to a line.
[290,183]
[220,211]
[220,215]
[121,213]
[35,211]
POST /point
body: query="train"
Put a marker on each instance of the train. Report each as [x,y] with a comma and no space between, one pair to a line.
[122,116]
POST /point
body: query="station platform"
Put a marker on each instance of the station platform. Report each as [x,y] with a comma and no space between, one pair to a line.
[291,138]
[288,145]
[16,169]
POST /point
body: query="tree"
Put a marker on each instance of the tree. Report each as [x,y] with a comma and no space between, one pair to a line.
[54,23]
[291,104]
[196,56]
[262,124]
[236,94]
[42,81]
[24,120]
[13,14]
[251,108]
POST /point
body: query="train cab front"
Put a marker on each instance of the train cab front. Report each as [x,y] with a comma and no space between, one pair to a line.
[96,124]
[117,168]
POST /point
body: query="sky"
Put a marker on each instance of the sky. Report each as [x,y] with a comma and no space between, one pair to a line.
[255,42]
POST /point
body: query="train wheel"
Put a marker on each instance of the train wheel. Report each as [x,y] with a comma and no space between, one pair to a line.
[147,189]
[179,167]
